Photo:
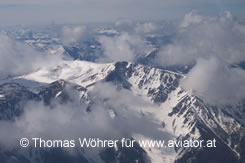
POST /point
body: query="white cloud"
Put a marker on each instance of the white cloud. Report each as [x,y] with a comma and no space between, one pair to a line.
[124,23]
[213,43]
[18,58]
[124,47]
[145,28]
[72,121]
[216,82]
[72,34]
[190,18]
[202,37]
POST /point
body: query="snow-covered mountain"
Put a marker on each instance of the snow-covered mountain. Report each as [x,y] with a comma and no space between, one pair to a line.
[172,109]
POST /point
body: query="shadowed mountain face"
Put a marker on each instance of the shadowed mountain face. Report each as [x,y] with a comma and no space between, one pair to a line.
[13,97]
[183,114]
[242,65]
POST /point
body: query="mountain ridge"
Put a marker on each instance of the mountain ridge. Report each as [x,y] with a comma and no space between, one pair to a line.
[184,115]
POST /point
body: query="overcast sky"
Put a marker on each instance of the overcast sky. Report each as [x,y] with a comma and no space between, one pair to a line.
[79,11]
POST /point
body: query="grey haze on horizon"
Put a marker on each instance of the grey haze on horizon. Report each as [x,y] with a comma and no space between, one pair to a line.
[13,12]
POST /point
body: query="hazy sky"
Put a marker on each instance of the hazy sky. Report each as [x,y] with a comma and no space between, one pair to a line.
[77,11]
